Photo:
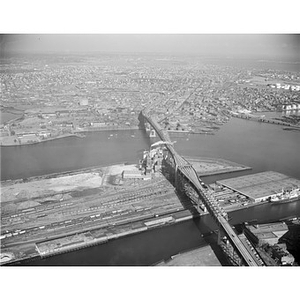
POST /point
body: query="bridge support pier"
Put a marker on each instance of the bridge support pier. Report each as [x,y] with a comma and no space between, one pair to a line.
[176,177]
[219,235]
[150,130]
[147,127]
[152,133]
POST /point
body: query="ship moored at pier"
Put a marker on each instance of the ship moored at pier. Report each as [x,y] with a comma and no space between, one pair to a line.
[286,196]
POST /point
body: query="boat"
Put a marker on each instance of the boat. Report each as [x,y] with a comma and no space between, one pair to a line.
[286,196]
[80,135]
[291,128]
[296,221]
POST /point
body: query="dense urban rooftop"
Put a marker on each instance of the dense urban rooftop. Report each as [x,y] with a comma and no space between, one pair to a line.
[62,95]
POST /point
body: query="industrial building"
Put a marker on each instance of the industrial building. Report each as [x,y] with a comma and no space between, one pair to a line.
[135,174]
[261,186]
[84,102]
[152,159]
[266,233]
[267,238]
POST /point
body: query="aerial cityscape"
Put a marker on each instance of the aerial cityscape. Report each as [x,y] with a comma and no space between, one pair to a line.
[147,158]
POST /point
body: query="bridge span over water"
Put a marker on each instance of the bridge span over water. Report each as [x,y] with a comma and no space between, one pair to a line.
[185,175]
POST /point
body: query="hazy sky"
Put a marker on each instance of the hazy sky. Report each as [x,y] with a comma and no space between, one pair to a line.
[266,45]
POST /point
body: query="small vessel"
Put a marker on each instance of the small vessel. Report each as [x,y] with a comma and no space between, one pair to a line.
[296,221]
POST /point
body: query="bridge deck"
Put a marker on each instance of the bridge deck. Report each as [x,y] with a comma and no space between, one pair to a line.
[219,215]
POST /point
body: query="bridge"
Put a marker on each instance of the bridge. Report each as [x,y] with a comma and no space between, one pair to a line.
[187,180]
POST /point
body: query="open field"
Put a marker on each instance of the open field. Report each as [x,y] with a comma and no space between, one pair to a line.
[211,166]
[67,205]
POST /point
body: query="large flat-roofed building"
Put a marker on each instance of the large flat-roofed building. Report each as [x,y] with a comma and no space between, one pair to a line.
[266,233]
[267,237]
[259,187]
[135,174]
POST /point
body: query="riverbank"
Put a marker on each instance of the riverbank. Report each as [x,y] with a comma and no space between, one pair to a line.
[114,128]
[146,220]
[102,150]
[98,235]
[266,120]
[15,141]
[67,243]
[11,140]
[37,201]
[100,203]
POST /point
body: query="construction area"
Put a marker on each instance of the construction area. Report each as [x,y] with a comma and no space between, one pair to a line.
[63,210]
[205,166]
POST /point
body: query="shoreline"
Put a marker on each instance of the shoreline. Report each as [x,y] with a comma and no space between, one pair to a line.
[229,166]
[54,175]
[142,224]
[116,232]
[90,169]
[94,236]
[43,141]
[75,134]
[108,129]
[267,121]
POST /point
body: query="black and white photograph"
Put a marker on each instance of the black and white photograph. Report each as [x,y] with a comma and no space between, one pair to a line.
[149,148]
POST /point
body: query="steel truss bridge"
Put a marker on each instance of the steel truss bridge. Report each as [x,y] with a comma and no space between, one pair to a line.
[185,175]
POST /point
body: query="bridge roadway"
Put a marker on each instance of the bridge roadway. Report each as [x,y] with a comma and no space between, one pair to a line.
[220,217]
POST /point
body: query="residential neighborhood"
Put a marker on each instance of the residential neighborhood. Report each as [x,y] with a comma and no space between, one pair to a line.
[187,94]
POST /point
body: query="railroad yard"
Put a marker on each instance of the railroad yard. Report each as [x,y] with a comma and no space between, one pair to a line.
[51,214]
[62,210]
[54,213]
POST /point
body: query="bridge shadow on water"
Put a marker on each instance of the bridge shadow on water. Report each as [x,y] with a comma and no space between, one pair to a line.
[169,170]
[204,224]
[208,232]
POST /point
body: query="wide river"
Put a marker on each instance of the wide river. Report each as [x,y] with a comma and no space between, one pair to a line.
[261,146]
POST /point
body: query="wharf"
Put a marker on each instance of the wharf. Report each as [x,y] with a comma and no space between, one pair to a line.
[10,140]
[261,187]
[100,236]
[267,121]
[76,241]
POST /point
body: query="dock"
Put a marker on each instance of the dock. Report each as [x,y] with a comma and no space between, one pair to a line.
[260,187]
